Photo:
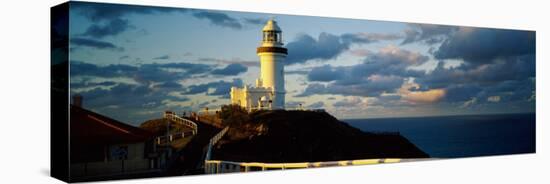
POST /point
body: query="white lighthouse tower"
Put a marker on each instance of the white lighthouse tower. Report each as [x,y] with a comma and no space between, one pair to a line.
[269,92]
[272,56]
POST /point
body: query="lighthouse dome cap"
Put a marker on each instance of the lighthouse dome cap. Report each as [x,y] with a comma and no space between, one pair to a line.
[271,25]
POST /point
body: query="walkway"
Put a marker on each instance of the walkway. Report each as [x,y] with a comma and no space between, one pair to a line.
[189,160]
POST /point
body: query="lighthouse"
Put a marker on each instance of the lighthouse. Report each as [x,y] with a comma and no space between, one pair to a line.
[272,56]
[269,92]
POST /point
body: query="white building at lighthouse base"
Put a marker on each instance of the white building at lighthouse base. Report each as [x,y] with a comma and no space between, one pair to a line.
[257,98]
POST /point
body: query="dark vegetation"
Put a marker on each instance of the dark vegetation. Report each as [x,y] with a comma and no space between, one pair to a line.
[303,136]
[158,126]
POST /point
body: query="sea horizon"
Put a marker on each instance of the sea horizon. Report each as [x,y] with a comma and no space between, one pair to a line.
[434,116]
[461,135]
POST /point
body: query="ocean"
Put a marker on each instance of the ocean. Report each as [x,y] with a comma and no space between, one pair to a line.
[461,136]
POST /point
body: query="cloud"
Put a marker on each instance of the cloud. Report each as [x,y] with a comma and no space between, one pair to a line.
[360,52]
[383,71]
[533,97]
[219,19]
[469,103]
[108,13]
[220,88]
[230,61]
[112,28]
[84,42]
[316,105]
[79,68]
[388,61]
[231,69]
[163,57]
[493,99]
[255,21]
[372,86]
[305,48]
[507,91]
[294,104]
[98,12]
[352,102]
[191,68]
[145,74]
[155,72]
[368,37]
[132,103]
[296,72]
[427,33]
[395,55]
[140,91]
[483,45]
[88,84]
[104,12]
[328,46]
[325,73]
[170,85]
[409,92]
[109,19]
[517,68]
[461,92]
[485,78]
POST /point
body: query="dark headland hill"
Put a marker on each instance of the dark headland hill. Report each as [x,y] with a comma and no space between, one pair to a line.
[305,136]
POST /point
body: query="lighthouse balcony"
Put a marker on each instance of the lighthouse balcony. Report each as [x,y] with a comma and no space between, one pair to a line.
[281,50]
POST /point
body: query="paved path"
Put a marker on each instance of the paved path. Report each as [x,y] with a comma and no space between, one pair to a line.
[189,160]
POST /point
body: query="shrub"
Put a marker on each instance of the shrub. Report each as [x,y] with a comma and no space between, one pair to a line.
[234,115]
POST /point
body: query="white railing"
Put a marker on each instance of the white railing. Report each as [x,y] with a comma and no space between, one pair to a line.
[175,118]
[213,142]
[178,135]
[171,137]
[220,166]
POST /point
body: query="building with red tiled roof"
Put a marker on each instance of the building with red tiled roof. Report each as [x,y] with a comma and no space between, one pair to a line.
[102,146]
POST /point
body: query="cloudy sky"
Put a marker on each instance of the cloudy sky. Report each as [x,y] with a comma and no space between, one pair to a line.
[133,62]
